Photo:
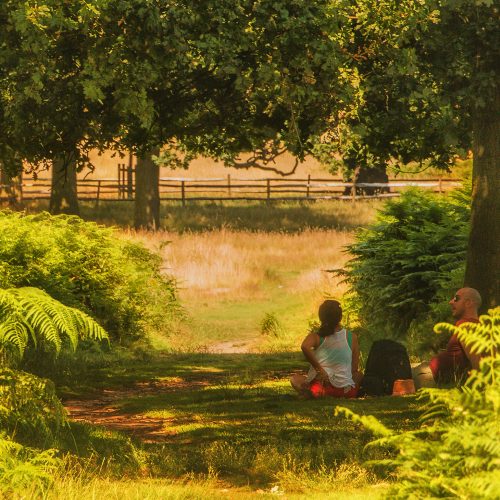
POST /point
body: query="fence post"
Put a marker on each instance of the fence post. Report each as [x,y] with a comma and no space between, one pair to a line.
[353,189]
[229,185]
[183,193]
[121,181]
[308,185]
[440,184]
[268,190]
[98,193]
[130,182]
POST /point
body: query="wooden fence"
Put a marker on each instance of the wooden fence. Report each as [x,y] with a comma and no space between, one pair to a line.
[229,188]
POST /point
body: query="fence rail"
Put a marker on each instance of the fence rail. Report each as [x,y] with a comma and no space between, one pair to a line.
[228,188]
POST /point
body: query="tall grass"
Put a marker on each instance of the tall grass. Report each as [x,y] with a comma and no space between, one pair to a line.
[230,280]
[242,264]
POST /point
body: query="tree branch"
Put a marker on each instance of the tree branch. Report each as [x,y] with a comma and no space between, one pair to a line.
[261,159]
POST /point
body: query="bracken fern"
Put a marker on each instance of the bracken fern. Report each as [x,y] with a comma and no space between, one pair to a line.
[456,451]
[31,314]
[23,468]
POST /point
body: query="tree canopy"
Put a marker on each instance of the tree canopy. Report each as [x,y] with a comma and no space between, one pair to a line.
[429,80]
[367,82]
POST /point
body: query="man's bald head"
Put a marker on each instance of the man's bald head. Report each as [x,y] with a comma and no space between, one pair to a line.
[466,303]
[473,295]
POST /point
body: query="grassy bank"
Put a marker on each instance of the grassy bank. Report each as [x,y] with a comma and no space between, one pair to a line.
[222,425]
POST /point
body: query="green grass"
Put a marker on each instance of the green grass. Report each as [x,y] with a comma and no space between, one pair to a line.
[290,217]
[232,418]
[241,320]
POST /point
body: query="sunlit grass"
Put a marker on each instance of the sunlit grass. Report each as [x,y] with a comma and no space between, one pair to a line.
[240,433]
[230,280]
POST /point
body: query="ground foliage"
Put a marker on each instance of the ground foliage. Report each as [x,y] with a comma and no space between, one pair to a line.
[30,411]
[24,468]
[406,262]
[456,452]
[86,266]
[30,317]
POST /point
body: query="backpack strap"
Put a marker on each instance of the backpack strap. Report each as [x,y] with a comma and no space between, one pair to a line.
[349,338]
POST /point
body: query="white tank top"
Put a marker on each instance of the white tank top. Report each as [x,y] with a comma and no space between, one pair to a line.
[335,356]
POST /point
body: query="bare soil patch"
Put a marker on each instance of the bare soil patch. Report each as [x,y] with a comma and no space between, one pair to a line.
[105,410]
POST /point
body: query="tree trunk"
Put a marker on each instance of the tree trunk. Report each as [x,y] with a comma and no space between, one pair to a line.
[147,193]
[483,252]
[12,185]
[63,195]
[368,175]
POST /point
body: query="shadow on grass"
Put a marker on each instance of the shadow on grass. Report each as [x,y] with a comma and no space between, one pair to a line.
[236,415]
[289,217]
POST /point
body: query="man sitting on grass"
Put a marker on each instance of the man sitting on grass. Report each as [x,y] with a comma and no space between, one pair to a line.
[453,364]
[333,353]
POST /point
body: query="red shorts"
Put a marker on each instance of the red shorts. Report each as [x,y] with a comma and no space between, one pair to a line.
[321,389]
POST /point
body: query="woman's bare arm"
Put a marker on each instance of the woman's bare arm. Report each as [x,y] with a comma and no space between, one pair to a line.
[309,345]
[356,374]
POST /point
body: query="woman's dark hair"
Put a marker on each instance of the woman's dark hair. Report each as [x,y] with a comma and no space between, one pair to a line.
[330,314]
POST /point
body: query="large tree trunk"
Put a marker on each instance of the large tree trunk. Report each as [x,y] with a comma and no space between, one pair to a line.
[368,175]
[64,196]
[11,189]
[147,193]
[483,253]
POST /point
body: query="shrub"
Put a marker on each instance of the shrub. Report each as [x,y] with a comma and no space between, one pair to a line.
[456,452]
[29,408]
[88,267]
[407,261]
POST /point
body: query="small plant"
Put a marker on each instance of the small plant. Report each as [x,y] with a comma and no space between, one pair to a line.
[456,452]
[270,325]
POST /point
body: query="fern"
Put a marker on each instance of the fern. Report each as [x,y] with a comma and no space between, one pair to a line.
[403,262]
[29,313]
[23,468]
[29,407]
[456,451]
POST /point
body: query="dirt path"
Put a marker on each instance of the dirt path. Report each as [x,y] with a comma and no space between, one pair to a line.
[105,410]
[235,346]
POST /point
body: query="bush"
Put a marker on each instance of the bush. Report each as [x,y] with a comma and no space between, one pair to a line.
[456,451]
[26,469]
[30,410]
[88,267]
[408,261]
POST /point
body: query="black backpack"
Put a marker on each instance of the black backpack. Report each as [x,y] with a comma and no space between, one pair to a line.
[387,361]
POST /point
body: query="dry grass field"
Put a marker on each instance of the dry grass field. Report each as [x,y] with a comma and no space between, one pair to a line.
[235,264]
[106,167]
[232,280]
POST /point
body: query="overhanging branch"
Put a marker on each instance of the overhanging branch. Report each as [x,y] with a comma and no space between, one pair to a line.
[262,158]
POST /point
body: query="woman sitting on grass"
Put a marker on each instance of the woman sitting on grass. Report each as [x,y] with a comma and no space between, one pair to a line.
[334,356]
